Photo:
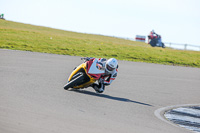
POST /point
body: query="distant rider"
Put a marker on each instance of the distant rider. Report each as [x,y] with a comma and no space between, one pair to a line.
[111,68]
[155,39]
[152,36]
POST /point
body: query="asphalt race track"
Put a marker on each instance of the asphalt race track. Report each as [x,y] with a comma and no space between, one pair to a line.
[32,98]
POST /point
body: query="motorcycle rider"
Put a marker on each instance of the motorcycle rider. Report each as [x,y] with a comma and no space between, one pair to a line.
[152,36]
[111,68]
[155,40]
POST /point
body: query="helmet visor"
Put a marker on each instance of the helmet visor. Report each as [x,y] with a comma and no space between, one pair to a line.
[109,68]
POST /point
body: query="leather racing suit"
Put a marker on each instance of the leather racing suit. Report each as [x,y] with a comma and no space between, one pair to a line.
[106,78]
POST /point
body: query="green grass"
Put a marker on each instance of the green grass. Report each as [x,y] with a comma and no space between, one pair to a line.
[18,36]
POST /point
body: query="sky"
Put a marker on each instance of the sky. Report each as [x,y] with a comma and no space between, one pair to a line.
[177,21]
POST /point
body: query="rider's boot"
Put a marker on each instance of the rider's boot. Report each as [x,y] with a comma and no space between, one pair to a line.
[98,88]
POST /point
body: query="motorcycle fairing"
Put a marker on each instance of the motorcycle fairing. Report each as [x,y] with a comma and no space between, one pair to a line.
[93,69]
[82,68]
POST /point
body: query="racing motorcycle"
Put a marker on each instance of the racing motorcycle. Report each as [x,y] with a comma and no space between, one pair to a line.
[155,41]
[85,74]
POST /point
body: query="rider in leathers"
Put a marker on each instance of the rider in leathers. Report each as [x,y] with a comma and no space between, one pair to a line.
[111,68]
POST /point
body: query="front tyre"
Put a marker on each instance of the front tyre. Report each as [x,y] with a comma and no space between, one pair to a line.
[74,82]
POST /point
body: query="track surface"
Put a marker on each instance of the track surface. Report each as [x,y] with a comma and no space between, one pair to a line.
[32,98]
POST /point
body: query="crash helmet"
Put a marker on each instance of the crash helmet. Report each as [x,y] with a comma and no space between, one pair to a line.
[152,32]
[111,65]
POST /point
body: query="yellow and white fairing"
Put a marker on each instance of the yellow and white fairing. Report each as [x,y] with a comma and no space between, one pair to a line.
[91,71]
[91,81]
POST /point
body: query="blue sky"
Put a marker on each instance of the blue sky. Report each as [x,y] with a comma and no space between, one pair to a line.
[177,21]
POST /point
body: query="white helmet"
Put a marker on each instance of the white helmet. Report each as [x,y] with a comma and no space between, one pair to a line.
[111,65]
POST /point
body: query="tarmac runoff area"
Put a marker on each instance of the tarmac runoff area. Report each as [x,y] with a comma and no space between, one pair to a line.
[32,98]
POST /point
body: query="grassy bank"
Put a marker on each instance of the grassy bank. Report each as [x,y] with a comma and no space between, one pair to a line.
[26,37]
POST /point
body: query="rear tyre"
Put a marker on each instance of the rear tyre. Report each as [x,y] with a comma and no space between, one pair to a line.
[74,82]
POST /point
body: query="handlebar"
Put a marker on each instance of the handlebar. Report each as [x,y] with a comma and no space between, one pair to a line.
[86,58]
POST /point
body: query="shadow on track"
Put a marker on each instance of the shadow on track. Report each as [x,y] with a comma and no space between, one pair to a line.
[108,97]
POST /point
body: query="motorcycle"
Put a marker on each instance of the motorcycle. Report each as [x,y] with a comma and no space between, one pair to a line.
[85,74]
[155,41]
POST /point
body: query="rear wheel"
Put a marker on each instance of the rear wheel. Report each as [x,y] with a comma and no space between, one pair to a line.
[74,82]
[163,45]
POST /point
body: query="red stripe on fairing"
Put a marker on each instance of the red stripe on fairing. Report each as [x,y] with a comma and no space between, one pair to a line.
[89,64]
[95,76]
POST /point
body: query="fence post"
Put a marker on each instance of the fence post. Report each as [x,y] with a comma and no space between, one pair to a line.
[185,46]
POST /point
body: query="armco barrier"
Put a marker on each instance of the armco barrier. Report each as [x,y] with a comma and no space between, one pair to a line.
[182,46]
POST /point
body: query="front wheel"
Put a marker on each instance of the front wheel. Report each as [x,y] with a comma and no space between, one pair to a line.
[74,82]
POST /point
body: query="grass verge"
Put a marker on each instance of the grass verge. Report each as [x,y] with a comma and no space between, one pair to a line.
[19,36]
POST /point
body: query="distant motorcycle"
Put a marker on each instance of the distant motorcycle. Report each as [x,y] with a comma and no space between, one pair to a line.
[85,74]
[155,41]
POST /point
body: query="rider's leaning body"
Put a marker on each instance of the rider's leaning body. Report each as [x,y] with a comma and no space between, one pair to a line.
[111,68]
